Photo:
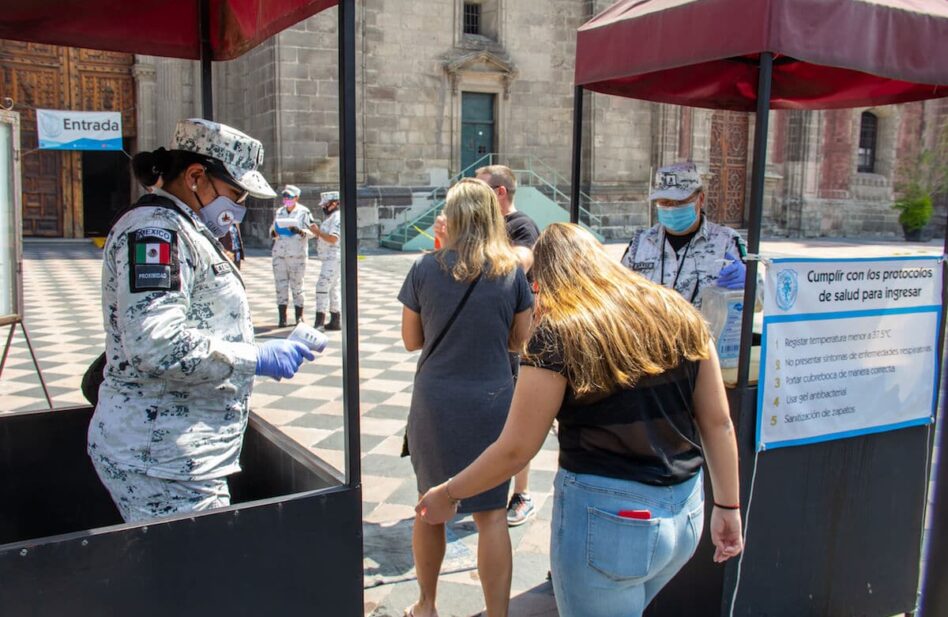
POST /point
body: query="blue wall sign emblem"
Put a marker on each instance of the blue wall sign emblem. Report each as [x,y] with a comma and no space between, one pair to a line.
[787,287]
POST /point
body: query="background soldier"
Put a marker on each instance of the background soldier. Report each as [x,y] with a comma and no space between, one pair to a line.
[290,251]
[328,293]
[685,251]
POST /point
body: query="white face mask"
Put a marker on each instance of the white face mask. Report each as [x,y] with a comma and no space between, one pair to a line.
[220,214]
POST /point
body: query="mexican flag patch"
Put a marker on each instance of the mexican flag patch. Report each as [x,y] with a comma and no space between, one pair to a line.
[153,253]
[153,260]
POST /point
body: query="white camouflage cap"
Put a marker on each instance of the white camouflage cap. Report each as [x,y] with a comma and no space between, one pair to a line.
[239,154]
[676,182]
[292,190]
[325,198]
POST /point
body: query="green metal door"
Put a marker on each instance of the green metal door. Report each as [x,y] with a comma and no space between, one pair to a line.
[477,128]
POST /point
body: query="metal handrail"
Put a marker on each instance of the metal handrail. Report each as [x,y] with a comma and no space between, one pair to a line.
[403,232]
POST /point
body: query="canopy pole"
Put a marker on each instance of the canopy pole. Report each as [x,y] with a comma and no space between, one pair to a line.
[762,121]
[207,95]
[350,239]
[577,154]
[934,594]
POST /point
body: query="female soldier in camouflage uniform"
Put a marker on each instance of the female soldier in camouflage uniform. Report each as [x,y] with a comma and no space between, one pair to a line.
[328,292]
[173,405]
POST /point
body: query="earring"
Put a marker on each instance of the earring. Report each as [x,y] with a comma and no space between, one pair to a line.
[194,187]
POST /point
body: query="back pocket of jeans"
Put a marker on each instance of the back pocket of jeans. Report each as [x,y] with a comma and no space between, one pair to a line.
[621,548]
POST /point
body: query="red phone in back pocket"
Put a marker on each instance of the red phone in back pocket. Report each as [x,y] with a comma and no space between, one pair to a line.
[639,515]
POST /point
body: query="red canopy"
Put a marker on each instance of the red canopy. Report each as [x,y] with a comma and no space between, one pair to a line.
[159,28]
[828,53]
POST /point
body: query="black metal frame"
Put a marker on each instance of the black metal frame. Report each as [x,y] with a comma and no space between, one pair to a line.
[293,532]
[893,524]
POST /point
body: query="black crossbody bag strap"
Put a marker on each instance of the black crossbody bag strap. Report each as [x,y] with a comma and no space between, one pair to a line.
[447,326]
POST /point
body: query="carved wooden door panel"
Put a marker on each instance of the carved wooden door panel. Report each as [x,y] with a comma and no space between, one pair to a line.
[98,81]
[32,75]
[728,167]
[60,78]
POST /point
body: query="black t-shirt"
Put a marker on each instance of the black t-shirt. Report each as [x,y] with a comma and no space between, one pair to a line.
[646,433]
[522,231]
[677,242]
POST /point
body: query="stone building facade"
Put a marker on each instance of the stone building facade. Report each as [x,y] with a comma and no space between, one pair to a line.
[442,83]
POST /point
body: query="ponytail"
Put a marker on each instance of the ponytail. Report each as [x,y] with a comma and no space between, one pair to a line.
[164,165]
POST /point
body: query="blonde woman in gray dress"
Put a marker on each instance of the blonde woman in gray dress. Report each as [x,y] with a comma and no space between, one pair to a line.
[463,385]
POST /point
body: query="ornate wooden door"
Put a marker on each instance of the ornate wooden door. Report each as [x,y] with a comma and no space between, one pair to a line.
[728,166]
[100,81]
[53,77]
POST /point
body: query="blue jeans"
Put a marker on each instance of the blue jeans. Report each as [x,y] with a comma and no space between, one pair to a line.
[604,565]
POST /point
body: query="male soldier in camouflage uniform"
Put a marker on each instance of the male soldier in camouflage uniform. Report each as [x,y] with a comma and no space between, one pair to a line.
[686,251]
[181,358]
[328,293]
[290,252]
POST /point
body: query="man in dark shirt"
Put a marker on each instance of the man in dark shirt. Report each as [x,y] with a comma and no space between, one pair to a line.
[523,234]
[521,229]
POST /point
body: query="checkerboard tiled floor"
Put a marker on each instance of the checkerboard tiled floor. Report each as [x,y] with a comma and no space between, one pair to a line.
[61,289]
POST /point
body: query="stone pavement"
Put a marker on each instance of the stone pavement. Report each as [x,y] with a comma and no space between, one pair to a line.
[63,315]
[61,290]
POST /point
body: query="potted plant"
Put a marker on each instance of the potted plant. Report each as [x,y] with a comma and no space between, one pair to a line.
[915,210]
[920,178]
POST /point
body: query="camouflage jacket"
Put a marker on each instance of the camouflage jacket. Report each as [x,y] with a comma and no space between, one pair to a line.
[295,245]
[179,343]
[693,268]
[330,225]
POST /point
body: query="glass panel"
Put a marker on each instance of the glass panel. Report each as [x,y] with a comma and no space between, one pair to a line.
[8,286]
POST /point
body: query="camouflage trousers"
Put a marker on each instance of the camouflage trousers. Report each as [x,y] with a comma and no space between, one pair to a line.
[139,497]
[288,273]
[328,291]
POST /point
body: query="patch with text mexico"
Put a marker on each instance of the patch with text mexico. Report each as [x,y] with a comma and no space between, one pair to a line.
[153,260]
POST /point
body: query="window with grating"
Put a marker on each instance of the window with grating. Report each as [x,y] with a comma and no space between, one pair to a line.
[868,133]
[796,137]
[472,18]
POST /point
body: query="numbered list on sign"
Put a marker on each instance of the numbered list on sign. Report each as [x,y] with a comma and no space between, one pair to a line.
[848,348]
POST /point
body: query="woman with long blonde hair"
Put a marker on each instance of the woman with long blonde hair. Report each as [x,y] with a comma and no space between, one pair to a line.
[464,306]
[626,367]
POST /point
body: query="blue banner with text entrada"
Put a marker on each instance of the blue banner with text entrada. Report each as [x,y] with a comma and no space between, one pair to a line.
[849,347]
[79,130]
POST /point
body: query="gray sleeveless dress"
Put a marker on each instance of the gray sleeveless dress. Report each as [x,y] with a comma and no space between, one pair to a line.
[462,394]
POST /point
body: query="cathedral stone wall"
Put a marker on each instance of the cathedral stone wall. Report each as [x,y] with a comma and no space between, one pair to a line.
[414,62]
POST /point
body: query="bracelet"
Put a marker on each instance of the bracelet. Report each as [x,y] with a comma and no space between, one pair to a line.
[724,507]
[448,493]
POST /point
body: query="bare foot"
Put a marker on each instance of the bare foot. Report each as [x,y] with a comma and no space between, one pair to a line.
[415,611]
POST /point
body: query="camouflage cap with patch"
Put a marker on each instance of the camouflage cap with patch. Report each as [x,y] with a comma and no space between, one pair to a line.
[676,182]
[328,196]
[240,154]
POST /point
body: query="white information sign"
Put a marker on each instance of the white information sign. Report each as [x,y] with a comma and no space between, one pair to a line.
[79,130]
[849,347]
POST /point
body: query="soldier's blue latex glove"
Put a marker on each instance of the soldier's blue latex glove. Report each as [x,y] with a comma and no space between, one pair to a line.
[733,274]
[281,359]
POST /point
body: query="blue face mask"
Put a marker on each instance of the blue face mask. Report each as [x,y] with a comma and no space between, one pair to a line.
[677,219]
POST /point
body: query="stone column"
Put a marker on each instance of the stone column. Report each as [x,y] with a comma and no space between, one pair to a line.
[170,98]
[144,73]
